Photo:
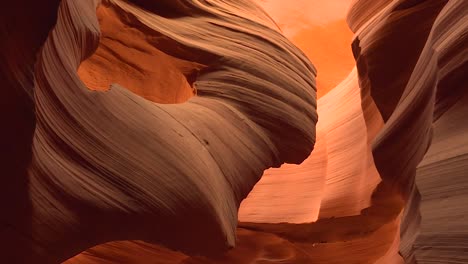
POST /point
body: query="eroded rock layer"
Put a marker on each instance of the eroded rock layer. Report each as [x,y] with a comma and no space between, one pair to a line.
[313,212]
[111,165]
[418,85]
[337,179]
[155,132]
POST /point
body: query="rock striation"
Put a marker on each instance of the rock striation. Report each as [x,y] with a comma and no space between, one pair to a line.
[112,165]
[188,132]
[418,86]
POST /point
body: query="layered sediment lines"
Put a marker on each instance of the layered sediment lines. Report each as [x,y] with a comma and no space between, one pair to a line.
[418,85]
[145,128]
[127,55]
[297,194]
[112,165]
[279,218]
[339,176]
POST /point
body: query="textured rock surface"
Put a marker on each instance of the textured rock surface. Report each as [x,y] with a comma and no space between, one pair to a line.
[336,180]
[127,55]
[135,129]
[111,165]
[418,87]
[344,233]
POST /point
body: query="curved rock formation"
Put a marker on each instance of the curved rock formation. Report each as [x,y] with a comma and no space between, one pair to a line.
[336,180]
[347,224]
[139,131]
[417,86]
[409,83]
[114,166]
[127,55]
[319,29]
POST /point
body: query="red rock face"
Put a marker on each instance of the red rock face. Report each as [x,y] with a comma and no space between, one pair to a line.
[127,55]
[197,132]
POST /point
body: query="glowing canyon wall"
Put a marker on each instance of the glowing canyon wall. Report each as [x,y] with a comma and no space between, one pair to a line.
[209,131]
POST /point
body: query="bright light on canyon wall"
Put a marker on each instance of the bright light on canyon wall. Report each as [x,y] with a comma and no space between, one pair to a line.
[233,131]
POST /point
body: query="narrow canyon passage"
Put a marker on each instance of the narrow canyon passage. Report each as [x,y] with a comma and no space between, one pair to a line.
[329,185]
[234,131]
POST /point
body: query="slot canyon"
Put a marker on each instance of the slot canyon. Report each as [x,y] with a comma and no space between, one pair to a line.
[234,131]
